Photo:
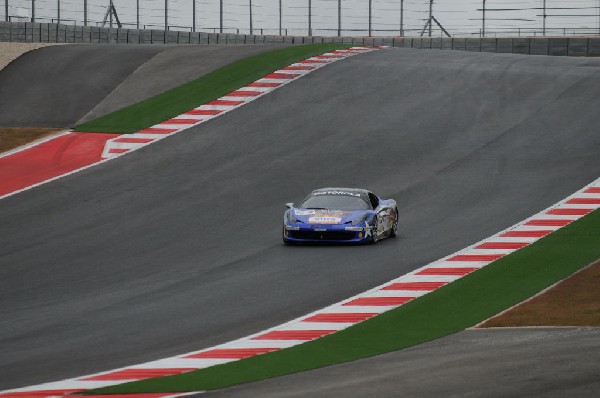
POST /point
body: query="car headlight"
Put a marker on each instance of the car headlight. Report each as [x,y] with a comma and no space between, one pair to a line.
[360,219]
[289,217]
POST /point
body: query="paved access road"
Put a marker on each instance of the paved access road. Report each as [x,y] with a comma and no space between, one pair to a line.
[59,86]
[177,246]
[537,362]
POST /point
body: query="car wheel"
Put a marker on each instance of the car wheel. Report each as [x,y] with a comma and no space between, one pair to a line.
[394,231]
[374,233]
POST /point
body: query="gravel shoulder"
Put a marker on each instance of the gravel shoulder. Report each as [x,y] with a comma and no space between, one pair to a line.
[11,51]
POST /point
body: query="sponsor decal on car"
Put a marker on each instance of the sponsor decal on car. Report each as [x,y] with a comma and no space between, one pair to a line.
[324,220]
[304,212]
[337,193]
[356,229]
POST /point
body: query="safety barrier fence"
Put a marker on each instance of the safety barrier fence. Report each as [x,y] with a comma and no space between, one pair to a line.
[58,33]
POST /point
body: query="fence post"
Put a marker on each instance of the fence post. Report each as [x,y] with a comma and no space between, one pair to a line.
[370,17]
[310,17]
[251,27]
[339,18]
[280,16]
[402,18]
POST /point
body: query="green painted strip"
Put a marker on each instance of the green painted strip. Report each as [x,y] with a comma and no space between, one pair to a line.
[447,310]
[202,90]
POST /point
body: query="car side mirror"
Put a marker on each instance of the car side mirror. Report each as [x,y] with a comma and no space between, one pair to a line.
[289,205]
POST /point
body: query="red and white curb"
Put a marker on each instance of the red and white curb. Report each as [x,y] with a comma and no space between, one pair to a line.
[235,99]
[349,312]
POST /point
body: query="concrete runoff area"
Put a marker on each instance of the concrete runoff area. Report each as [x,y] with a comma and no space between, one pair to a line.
[59,85]
[548,362]
[177,246]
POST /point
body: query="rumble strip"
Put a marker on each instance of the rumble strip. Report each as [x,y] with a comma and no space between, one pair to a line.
[346,313]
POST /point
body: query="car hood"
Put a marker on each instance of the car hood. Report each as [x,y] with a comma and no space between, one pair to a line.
[310,216]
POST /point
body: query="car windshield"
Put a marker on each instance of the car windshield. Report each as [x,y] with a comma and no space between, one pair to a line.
[335,202]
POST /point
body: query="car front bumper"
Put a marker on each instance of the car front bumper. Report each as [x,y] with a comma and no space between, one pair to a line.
[342,233]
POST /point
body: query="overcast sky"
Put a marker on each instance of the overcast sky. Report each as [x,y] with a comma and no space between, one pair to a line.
[459,17]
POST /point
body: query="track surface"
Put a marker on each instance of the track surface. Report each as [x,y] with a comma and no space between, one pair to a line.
[59,85]
[475,363]
[177,246]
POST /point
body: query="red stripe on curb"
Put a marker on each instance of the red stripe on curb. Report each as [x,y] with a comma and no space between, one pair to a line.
[236,353]
[447,271]
[476,257]
[377,301]
[156,130]
[137,395]
[181,121]
[299,68]
[313,61]
[526,234]
[50,159]
[281,75]
[569,212]
[259,84]
[244,93]
[428,286]
[134,140]
[138,374]
[118,150]
[353,317]
[549,223]
[294,335]
[328,56]
[225,102]
[502,245]
[203,112]
[592,190]
[39,394]
[584,201]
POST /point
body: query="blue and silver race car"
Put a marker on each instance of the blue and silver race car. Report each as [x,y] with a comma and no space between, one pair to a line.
[340,215]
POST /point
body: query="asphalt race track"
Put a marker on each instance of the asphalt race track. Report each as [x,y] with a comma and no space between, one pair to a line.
[58,86]
[177,246]
[553,362]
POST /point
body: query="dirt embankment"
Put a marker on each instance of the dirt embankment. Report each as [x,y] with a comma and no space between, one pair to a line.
[572,302]
[11,138]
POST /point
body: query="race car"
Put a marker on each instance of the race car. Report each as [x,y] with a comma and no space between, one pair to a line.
[340,215]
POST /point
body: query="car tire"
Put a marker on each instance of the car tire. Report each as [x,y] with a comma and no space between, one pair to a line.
[394,231]
[374,233]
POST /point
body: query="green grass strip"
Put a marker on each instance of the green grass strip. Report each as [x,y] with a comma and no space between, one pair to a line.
[202,90]
[447,310]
